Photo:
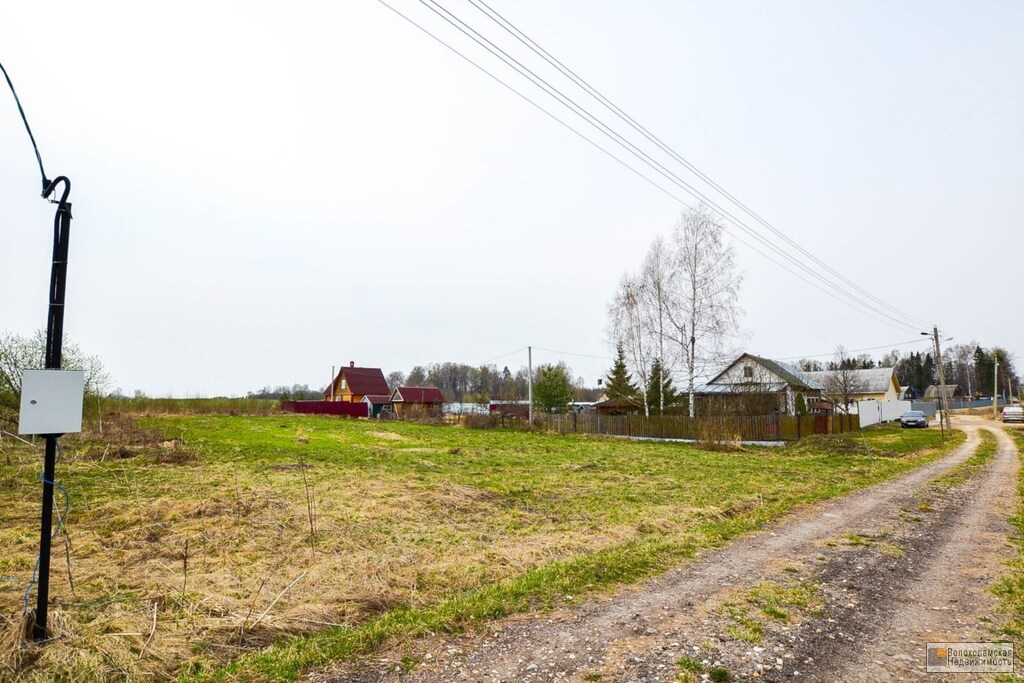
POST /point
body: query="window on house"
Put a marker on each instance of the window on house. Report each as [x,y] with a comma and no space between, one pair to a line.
[748,372]
[342,382]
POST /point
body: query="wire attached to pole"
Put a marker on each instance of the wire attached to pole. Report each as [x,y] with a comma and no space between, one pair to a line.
[61,523]
[35,148]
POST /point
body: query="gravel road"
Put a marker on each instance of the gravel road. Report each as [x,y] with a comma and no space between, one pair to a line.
[846,590]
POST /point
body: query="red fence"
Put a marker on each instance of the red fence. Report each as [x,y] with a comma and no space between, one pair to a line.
[327,408]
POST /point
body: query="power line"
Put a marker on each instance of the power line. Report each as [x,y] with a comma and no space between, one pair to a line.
[570,353]
[619,161]
[504,355]
[35,148]
[513,30]
[574,107]
[869,348]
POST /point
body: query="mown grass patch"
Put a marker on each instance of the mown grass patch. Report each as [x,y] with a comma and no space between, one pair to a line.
[268,545]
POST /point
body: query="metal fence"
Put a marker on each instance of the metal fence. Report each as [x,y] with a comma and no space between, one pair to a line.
[714,428]
[872,412]
[327,408]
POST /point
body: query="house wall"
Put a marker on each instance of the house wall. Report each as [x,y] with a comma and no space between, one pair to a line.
[408,409]
[342,392]
[737,375]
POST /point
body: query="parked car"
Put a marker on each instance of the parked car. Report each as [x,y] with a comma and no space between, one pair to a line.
[1013,414]
[913,418]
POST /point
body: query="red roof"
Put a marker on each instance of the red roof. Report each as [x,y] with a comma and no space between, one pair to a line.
[377,399]
[365,381]
[418,395]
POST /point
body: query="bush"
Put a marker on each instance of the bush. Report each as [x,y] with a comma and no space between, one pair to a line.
[475,421]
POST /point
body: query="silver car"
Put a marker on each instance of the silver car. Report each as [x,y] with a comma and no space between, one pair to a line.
[1013,414]
[914,418]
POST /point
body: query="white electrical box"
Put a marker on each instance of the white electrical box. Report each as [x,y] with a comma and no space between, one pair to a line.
[51,401]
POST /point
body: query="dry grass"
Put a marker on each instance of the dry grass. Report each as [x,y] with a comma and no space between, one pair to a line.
[196,540]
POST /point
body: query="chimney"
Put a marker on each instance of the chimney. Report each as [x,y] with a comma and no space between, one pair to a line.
[351,363]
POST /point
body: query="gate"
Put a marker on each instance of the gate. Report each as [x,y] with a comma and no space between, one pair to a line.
[821,424]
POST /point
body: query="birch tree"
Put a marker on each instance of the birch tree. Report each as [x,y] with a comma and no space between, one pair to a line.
[629,327]
[657,277]
[704,315]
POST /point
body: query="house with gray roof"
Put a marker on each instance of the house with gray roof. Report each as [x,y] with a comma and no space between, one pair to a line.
[875,384]
[753,385]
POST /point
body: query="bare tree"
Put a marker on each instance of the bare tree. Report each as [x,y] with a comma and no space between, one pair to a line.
[629,327]
[808,365]
[843,381]
[704,317]
[657,277]
[18,354]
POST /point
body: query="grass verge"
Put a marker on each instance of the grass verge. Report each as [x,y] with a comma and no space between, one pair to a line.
[1010,588]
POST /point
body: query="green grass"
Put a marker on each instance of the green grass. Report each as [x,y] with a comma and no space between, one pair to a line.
[690,664]
[957,476]
[769,601]
[1010,588]
[720,675]
[415,530]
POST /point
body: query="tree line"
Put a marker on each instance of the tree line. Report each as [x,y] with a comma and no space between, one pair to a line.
[463,383]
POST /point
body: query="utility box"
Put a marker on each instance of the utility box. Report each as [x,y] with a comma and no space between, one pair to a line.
[51,401]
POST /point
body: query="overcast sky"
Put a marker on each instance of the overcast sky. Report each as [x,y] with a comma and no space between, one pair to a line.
[264,190]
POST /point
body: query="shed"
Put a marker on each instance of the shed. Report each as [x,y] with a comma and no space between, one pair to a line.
[417,401]
[377,403]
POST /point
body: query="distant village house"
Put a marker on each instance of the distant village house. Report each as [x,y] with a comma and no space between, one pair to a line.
[352,384]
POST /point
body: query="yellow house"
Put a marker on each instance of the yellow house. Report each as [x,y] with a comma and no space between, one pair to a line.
[877,384]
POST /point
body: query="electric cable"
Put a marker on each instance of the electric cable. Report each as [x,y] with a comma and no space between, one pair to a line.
[869,348]
[654,184]
[24,120]
[513,30]
[603,128]
[570,353]
[504,355]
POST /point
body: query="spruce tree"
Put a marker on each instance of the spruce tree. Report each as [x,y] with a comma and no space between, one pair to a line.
[619,383]
[664,388]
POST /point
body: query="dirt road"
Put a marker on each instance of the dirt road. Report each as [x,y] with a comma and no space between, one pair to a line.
[849,590]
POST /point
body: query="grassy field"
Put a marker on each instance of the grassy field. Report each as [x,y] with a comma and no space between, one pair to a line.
[252,547]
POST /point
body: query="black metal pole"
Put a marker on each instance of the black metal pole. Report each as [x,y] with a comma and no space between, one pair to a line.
[54,342]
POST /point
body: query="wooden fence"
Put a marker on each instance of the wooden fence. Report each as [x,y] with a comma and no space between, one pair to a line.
[714,428]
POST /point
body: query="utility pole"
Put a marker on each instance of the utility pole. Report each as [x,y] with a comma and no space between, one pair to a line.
[995,387]
[942,378]
[529,365]
[54,342]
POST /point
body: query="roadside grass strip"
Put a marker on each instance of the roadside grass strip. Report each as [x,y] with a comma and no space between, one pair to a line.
[1010,588]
